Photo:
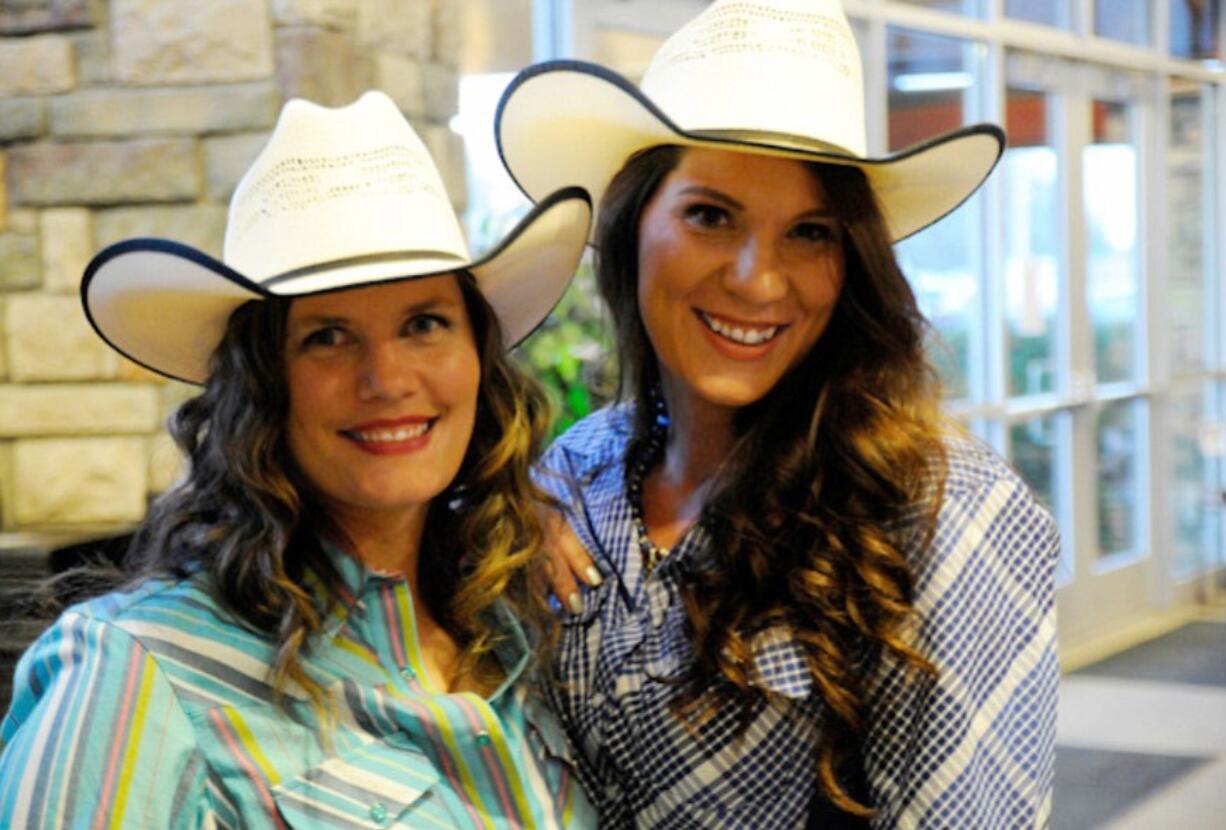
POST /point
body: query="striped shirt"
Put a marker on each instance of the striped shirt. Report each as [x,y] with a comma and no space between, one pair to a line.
[971,748]
[151,708]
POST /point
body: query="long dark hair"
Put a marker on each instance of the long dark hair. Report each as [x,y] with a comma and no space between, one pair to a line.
[836,473]
[246,514]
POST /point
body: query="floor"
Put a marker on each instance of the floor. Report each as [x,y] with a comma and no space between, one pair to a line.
[1142,737]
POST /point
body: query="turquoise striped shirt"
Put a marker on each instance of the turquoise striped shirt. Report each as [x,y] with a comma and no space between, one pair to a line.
[152,708]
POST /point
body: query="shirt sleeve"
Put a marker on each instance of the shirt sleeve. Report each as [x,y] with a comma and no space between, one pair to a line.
[96,733]
[973,746]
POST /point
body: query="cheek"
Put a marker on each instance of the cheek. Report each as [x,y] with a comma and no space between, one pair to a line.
[822,289]
[458,377]
[307,389]
[653,306]
[664,270]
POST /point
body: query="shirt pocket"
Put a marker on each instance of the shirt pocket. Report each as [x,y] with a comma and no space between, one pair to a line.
[375,786]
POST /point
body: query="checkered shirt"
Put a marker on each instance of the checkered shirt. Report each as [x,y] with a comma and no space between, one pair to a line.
[970,748]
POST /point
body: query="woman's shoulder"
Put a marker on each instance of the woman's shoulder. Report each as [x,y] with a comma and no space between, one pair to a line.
[593,441]
[987,506]
[192,641]
[972,466]
[106,630]
[188,598]
[165,616]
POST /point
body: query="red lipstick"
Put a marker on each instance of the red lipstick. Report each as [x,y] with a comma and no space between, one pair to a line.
[391,436]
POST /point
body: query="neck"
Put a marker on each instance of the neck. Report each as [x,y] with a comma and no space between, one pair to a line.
[700,437]
[385,541]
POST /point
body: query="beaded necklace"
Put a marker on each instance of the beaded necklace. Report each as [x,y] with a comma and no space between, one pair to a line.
[650,454]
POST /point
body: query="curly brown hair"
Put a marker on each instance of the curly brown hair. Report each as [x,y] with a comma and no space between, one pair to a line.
[835,473]
[247,516]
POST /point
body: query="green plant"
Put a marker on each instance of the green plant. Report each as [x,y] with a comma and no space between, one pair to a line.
[573,353]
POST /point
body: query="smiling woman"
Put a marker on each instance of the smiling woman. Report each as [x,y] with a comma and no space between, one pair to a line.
[332,620]
[822,604]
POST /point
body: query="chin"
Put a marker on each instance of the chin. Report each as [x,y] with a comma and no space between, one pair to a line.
[732,394]
[392,499]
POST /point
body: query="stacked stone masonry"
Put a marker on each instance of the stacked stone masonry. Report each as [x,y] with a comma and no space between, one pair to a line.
[123,118]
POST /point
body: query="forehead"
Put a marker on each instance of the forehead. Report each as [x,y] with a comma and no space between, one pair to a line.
[751,175]
[387,298]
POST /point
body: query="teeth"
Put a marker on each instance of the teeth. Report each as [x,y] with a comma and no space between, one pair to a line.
[747,337]
[377,436]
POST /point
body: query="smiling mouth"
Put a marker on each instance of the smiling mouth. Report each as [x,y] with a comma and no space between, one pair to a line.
[740,333]
[385,435]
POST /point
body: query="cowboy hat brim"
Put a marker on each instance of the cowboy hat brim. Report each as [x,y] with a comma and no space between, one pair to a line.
[165,305]
[573,122]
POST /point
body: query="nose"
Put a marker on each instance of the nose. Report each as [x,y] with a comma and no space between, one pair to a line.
[758,275]
[386,373]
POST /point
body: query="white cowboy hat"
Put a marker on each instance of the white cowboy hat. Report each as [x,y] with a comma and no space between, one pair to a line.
[780,77]
[338,198]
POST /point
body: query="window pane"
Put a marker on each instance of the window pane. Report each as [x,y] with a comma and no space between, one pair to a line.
[1032,244]
[1038,450]
[1049,12]
[933,84]
[1126,20]
[931,80]
[1188,301]
[497,41]
[1213,445]
[495,203]
[1194,29]
[959,6]
[1119,478]
[1110,193]
[1192,502]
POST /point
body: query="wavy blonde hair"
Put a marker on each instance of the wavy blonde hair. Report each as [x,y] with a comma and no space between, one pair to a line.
[836,473]
[246,515]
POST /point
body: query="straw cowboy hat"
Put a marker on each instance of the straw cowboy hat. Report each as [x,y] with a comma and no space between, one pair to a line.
[338,198]
[780,77]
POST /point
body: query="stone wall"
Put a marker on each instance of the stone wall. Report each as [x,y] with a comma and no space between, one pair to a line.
[124,118]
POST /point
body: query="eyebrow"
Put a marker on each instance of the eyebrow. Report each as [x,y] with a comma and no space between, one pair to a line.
[711,193]
[720,196]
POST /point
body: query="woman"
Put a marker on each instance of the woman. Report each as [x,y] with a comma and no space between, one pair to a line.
[333,623]
[821,603]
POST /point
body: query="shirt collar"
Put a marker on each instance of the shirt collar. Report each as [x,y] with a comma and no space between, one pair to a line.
[355,580]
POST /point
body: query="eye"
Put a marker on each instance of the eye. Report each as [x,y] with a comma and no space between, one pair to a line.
[326,337]
[707,216]
[817,232]
[427,327]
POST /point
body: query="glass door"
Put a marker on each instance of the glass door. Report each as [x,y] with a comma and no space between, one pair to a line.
[1074,375]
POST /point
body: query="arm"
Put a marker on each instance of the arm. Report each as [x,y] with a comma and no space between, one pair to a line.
[95,732]
[974,746]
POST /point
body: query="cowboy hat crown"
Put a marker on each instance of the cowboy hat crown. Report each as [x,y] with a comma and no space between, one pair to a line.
[338,198]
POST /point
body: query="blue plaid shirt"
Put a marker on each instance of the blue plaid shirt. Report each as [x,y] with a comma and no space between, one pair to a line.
[970,748]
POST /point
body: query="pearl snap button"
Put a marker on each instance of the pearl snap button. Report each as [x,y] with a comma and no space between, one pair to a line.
[378,812]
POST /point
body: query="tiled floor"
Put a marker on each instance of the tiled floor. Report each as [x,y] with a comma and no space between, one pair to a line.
[1142,737]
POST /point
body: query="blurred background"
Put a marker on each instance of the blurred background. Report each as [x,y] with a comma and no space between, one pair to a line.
[1077,301]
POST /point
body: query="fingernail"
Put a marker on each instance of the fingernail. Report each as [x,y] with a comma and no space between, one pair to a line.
[593,576]
[575,603]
